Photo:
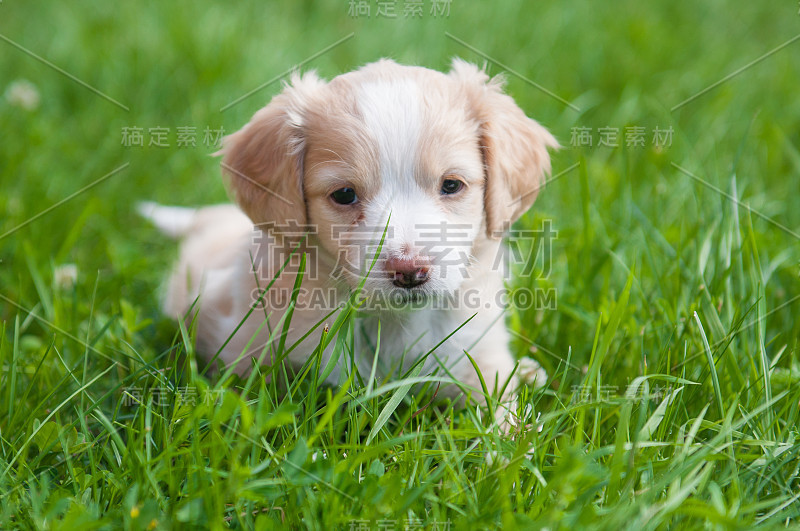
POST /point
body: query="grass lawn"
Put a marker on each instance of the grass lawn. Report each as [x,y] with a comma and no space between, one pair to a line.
[671,343]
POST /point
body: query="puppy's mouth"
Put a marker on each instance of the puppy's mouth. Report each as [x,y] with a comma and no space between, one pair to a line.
[409,296]
[391,298]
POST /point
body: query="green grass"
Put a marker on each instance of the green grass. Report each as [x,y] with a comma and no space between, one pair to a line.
[673,352]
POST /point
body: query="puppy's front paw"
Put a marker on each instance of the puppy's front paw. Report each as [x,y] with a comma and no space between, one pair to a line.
[531,373]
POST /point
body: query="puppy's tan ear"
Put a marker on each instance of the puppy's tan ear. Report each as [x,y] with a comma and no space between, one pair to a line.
[514,148]
[263,161]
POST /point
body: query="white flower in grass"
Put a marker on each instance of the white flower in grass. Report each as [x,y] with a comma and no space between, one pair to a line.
[24,94]
[65,276]
[317,455]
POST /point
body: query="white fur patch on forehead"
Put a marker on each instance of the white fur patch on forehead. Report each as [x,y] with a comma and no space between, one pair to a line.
[392,113]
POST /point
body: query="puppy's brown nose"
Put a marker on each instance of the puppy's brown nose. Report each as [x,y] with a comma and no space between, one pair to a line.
[408,272]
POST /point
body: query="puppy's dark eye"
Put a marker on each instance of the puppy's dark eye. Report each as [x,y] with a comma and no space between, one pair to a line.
[345,196]
[451,186]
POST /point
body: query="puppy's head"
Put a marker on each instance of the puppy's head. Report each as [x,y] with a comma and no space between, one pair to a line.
[434,164]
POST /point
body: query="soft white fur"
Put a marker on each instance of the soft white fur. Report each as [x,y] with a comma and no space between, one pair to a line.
[392,133]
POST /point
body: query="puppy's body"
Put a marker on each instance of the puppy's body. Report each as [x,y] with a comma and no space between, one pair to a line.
[215,266]
[395,180]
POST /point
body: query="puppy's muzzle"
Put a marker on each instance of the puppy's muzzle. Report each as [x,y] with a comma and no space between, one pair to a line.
[408,272]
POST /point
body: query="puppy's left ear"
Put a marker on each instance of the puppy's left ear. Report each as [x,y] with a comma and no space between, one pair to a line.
[514,148]
[263,162]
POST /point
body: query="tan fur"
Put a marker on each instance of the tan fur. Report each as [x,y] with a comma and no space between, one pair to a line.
[515,148]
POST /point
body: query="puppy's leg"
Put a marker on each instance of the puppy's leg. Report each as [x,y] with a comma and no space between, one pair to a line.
[531,373]
[497,365]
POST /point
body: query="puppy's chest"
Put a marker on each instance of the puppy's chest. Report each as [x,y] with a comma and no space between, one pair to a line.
[406,338]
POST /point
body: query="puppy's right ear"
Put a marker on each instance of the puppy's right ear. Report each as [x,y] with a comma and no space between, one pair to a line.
[263,161]
[514,148]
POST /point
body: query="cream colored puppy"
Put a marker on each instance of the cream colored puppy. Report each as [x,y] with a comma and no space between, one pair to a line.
[436,166]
